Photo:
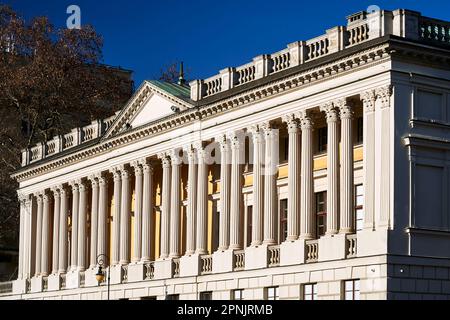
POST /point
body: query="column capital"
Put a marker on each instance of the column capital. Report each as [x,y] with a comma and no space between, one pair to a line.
[165,159]
[138,170]
[125,171]
[222,140]
[56,190]
[257,133]
[22,197]
[331,113]
[292,122]
[267,126]
[147,165]
[384,94]
[368,98]
[236,140]
[93,179]
[175,157]
[306,121]
[345,107]
[82,185]
[46,197]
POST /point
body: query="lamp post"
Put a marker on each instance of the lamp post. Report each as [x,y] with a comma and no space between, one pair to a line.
[100,276]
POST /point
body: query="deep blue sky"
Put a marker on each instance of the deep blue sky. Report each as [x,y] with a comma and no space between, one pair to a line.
[207,35]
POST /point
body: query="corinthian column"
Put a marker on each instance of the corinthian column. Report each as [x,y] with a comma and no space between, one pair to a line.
[116,217]
[45,234]
[74,221]
[293,215]
[332,117]
[270,183]
[40,210]
[307,219]
[82,226]
[368,98]
[147,210]
[22,234]
[138,185]
[224,221]
[94,222]
[56,223]
[258,184]
[175,205]
[237,143]
[347,220]
[102,213]
[63,236]
[165,205]
[191,198]
[202,201]
[125,216]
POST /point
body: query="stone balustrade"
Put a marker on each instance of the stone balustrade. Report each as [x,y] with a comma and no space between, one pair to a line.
[361,27]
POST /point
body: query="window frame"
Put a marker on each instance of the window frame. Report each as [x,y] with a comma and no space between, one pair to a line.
[322,140]
[241,293]
[283,220]
[322,213]
[204,294]
[358,207]
[276,295]
[314,292]
[353,290]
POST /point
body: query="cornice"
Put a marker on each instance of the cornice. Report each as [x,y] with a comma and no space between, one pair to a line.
[365,58]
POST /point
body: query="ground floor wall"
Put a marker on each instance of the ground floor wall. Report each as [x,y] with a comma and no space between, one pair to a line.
[380,278]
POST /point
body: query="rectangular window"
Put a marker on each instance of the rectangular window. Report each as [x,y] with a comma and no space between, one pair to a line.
[351,289]
[249,224]
[238,294]
[207,295]
[359,209]
[310,291]
[321,213]
[359,130]
[322,139]
[173,297]
[283,219]
[272,293]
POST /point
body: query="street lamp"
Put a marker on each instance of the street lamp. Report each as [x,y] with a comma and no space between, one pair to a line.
[100,275]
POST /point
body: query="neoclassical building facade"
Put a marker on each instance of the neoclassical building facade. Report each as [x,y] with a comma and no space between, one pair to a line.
[321,171]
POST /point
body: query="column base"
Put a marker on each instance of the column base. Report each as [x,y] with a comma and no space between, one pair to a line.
[223,261]
[116,274]
[292,253]
[371,243]
[190,265]
[73,279]
[136,272]
[89,277]
[37,284]
[332,247]
[256,257]
[20,286]
[163,269]
[54,282]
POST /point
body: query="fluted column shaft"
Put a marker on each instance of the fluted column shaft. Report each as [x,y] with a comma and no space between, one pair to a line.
[332,118]
[94,222]
[347,199]
[236,192]
[116,218]
[45,235]
[125,217]
[147,211]
[138,188]
[224,220]
[192,202]
[102,214]
[20,270]
[38,259]
[270,187]
[202,202]
[74,232]
[82,226]
[307,219]
[56,225]
[165,210]
[175,206]
[258,185]
[368,99]
[63,237]
[293,214]
[29,237]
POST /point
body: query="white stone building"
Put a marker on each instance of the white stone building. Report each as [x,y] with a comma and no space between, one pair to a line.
[331,179]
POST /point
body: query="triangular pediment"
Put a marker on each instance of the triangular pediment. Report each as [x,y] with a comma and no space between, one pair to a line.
[153,101]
